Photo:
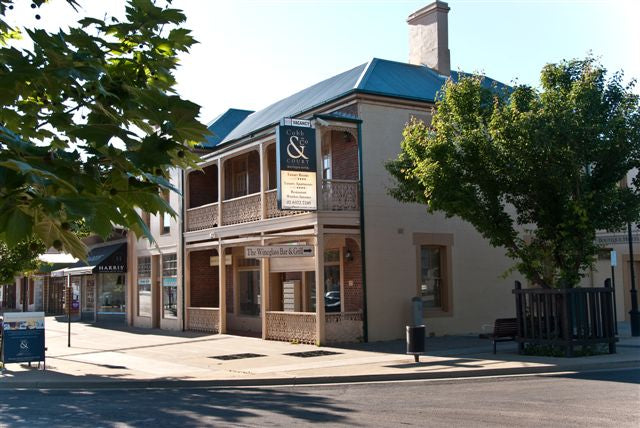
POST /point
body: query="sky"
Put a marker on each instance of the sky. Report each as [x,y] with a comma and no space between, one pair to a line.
[255,52]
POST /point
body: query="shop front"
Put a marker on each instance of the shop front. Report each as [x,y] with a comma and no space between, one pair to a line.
[98,289]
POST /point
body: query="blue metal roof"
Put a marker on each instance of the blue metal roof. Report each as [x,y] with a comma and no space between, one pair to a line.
[379,76]
[304,100]
[222,125]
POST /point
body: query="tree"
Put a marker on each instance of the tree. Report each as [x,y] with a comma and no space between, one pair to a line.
[19,260]
[537,172]
[90,124]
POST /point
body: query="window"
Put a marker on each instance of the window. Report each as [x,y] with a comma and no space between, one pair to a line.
[240,177]
[111,294]
[326,161]
[249,292]
[433,258]
[332,300]
[165,226]
[170,286]
[144,286]
[430,276]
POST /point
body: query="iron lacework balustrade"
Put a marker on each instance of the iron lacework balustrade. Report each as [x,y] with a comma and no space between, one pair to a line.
[335,195]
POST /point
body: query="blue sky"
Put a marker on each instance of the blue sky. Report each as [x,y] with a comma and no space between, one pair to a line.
[255,52]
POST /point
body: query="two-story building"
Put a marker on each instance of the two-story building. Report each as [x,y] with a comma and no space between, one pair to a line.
[371,254]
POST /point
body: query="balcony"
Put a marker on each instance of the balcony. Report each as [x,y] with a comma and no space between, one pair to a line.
[203,217]
[339,195]
[244,209]
[336,195]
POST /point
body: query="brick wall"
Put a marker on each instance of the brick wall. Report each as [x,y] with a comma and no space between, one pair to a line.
[247,164]
[353,295]
[204,280]
[229,294]
[254,172]
[344,156]
[203,186]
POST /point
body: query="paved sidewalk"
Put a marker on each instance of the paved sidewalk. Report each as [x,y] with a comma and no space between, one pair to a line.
[109,356]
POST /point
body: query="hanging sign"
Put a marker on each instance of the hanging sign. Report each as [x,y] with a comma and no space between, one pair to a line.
[23,337]
[296,162]
[267,251]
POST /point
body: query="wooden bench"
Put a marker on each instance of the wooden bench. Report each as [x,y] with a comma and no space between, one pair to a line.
[504,330]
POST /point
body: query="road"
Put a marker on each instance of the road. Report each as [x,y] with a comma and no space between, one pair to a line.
[594,399]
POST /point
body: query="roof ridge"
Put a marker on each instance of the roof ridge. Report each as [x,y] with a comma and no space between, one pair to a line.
[365,73]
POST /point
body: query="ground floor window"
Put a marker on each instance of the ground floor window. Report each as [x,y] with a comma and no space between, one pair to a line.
[111,293]
[144,286]
[332,300]
[170,286]
[249,292]
[434,272]
[431,276]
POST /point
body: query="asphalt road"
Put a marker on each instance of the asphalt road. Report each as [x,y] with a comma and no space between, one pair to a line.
[591,399]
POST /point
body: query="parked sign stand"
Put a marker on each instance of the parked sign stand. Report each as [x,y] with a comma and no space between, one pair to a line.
[23,338]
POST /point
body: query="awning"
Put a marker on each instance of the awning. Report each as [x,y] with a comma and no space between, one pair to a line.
[106,259]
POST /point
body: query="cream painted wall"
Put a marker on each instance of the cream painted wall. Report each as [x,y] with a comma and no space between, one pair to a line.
[480,295]
[165,244]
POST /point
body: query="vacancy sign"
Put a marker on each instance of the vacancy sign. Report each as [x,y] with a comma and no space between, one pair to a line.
[296,162]
[267,251]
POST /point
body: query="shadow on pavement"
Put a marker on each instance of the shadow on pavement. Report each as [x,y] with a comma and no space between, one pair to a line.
[166,407]
[624,376]
[119,325]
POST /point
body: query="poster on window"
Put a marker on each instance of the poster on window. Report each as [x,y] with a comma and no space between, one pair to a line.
[296,164]
[23,337]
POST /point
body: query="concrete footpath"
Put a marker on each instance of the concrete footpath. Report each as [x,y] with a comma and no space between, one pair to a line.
[104,356]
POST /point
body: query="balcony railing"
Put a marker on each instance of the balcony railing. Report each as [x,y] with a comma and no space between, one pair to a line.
[203,217]
[336,195]
[241,210]
[272,205]
[340,195]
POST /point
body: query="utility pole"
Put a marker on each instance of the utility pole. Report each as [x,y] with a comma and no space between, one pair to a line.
[634,316]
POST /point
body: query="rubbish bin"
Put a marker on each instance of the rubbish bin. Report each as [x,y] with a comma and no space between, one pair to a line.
[415,340]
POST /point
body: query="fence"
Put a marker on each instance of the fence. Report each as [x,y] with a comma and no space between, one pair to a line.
[565,318]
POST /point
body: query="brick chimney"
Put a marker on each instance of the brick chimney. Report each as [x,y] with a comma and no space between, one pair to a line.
[429,37]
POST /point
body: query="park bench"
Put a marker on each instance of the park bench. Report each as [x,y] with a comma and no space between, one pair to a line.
[504,330]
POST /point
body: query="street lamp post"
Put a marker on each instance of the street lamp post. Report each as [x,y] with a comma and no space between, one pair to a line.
[634,316]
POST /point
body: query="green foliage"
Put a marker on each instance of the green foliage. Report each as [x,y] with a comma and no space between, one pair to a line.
[90,124]
[536,172]
[20,259]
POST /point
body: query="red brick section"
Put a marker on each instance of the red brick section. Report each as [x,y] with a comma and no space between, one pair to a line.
[204,280]
[227,170]
[229,295]
[203,186]
[344,156]
[254,172]
[246,164]
[353,295]
[272,167]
